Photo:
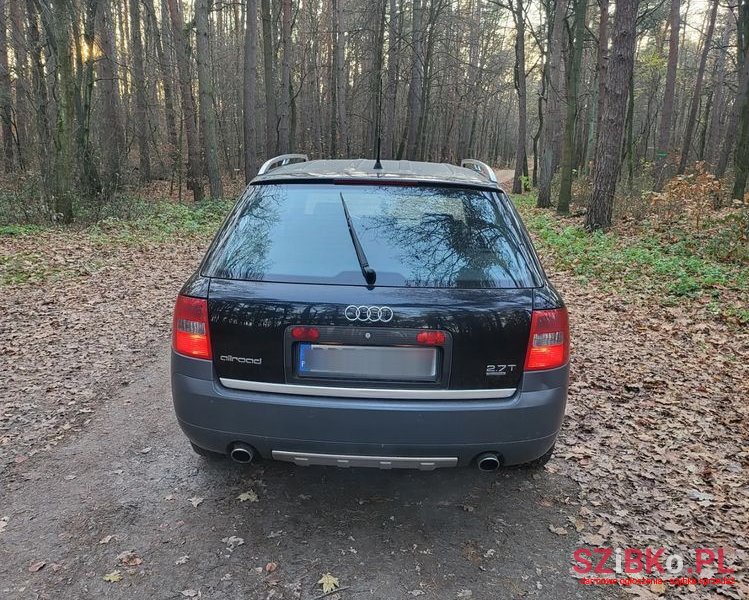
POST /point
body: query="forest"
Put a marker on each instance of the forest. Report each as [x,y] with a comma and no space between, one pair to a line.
[591,103]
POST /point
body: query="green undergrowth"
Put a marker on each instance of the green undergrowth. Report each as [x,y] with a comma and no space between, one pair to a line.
[674,264]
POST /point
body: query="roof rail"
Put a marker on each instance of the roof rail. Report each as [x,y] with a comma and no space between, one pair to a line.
[479,167]
[283,159]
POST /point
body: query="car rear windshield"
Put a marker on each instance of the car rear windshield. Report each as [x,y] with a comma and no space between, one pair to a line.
[411,236]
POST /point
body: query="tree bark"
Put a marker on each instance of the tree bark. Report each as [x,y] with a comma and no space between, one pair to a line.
[194,174]
[520,87]
[111,138]
[741,156]
[284,141]
[141,101]
[391,88]
[250,92]
[18,29]
[416,85]
[603,61]
[695,104]
[608,151]
[717,116]
[553,117]
[667,113]
[6,97]
[271,118]
[39,103]
[207,111]
[573,78]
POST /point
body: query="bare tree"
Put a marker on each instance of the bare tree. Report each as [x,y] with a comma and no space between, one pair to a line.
[667,113]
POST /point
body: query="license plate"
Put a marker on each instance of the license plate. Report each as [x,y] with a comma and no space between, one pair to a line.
[367,362]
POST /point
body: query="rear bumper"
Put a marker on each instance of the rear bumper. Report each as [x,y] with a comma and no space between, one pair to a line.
[519,429]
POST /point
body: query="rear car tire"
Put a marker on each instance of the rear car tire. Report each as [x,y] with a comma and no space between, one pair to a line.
[207,453]
[540,461]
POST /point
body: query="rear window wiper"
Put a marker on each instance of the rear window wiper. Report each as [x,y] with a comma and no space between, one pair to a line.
[369,273]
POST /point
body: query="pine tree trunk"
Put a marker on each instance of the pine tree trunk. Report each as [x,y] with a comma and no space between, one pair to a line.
[205,87]
[194,173]
[553,117]
[6,98]
[284,141]
[39,102]
[18,29]
[712,143]
[695,105]
[141,100]
[250,92]
[111,138]
[573,78]
[603,61]
[741,156]
[390,93]
[520,87]
[416,85]
[667,113]
[608,152]
[271,118]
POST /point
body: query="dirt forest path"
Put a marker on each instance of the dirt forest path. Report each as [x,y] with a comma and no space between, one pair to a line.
[130,483]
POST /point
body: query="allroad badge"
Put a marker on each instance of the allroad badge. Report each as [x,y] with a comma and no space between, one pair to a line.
[369,314]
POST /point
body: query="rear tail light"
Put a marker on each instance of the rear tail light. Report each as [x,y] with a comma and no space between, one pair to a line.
[305,334]
[190,334]
[549,343]
[430,338]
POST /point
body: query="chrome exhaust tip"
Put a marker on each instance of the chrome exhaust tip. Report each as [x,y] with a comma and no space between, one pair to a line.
[488,461]
[241,453]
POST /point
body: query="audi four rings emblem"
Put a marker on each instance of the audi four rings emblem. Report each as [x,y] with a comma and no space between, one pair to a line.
[371,314]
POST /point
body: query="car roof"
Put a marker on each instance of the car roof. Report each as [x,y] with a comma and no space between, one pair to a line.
[360,170]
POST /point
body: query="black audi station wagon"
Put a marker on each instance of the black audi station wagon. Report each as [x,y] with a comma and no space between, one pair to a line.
[358,313]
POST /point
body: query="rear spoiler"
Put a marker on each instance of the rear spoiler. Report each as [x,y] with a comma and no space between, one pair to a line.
[480,168]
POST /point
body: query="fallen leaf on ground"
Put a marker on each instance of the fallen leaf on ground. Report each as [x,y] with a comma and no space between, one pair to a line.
[129,558]
[233,541]
[106,539]
[270,567]
[195,501]
[328,583]
[593,539]
[658,588]
[113,577]
[36,566]
[558,530]
[182,559]
[249,496]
